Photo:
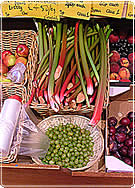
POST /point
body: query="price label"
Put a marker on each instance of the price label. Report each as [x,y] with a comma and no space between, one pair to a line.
[107,8]
[37,9]
[75,9]
[130,10]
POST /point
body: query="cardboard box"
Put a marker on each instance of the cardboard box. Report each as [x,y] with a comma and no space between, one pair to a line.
[119,107]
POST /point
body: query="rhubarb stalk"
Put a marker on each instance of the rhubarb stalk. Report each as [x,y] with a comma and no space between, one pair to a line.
[78,63]
[41,48]
[84,62]
[89,55]
[53,103]
[102,84]
[59,81]
[62,54]
[71,73]
[72,89]
[51,50]
[45,40]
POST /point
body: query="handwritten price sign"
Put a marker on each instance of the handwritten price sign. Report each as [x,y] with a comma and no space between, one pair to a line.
[41,9]
[75,9]
[107,8]
[130,10]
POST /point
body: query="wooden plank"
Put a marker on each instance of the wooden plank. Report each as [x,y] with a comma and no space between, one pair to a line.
[22,176]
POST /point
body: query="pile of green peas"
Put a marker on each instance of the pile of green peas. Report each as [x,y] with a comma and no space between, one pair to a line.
[70,146]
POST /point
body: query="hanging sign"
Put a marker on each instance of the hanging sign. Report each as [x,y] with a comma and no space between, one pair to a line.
[130,10]
[75,9]
[107,8]
[37,9]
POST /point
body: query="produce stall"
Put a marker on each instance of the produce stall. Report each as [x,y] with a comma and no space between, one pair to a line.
[67,84]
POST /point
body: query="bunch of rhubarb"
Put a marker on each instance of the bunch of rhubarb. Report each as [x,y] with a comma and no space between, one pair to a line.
[72,67]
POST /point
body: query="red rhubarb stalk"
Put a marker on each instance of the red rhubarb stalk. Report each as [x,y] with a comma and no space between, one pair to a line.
[84,62]
[51,50]
[78,63]
[72,64]
[80,97]
[59,81]
[102,84]
[62,54]
[53,103]
[64,87]
[72,89]
[93,96]
[31,97]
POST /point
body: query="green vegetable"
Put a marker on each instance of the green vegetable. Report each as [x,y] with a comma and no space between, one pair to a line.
[67,152]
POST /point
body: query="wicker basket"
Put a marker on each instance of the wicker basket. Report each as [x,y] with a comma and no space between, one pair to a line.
[46,111]
[6,91]
[82,122]
[11,39]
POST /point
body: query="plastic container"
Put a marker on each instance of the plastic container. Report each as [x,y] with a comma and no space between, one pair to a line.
[8,121]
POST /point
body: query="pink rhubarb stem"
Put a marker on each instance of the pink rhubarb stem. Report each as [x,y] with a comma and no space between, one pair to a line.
[72,89]
[84,62]
[93,96]
[71,73]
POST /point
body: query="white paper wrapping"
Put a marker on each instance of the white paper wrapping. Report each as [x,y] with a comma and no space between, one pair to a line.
[8,121]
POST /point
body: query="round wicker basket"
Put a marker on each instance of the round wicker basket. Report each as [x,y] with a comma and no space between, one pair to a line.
[82,122]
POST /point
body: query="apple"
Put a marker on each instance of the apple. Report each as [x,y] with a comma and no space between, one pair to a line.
[4,79]
[113,38]
[5,53]
[114,76]
[22,50]
[124,62]
[124,73]
[3,68]
[9,60]
[16,55]
[21,60]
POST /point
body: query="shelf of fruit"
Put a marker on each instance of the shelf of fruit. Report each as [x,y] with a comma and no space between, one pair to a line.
[121,61]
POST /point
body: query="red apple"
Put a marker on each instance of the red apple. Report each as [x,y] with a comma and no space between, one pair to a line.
[131,39]
[22,50]
[5,53]
[16,55]
[124,73]
[9,60]
[123,34]
[130,57]
[21,60]
[113,38]
[114,76]
[3,68]
[115,57]
[124,62]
